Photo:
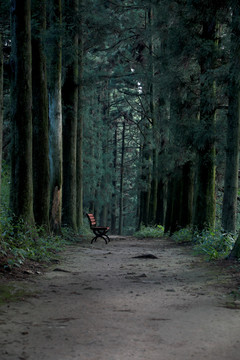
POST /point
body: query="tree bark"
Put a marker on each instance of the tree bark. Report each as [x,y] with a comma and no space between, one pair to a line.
[169,208]
[80,122]
[204,214]
[229,211]
[154,171]
[41,177]
[1,106]
[146,178]
[187,195]
[55,117]
[70,102]
[114,184]
[161,202]
[120,227]
[21,98]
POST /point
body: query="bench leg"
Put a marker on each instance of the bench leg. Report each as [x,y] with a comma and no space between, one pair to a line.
[99,236]
[94,239]
[107,237]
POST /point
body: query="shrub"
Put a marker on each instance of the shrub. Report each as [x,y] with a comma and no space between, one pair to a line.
[213,244]
[182,236]
[150,232]
[20,241]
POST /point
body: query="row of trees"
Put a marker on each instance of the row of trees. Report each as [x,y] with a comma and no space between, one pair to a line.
[132,110]
[39,92]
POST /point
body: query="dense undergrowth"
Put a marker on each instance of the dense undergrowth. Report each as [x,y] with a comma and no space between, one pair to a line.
[211,243]
[20,242]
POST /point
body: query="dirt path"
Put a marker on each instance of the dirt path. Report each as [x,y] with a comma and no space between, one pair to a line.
[103,303]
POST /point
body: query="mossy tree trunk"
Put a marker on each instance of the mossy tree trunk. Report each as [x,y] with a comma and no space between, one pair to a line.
[41,177]
[229,211]
[70,102]
[21,201]
[1,105]
[55,116]
[204,213]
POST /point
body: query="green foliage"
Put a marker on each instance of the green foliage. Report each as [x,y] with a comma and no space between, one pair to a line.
[19,242]
[182,236]
[213,244]
[5,185]
[71,236]
[150,232]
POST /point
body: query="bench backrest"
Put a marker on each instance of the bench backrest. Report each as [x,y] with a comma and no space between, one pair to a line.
[92,220]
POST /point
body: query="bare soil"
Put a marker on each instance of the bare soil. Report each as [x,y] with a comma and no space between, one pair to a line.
[108,302]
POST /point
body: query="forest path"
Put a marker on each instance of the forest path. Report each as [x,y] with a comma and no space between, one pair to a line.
[103,303]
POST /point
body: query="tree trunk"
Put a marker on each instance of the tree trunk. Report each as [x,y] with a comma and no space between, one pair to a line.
[235,253]
[187,194]
[120,227]
[169,209]
[70,101]
[114,183]
[161,202]
[55,118]
[1,105]
[154,170]
[229,211]
[146,178]
[80,123]
[21,97]
[41,175]
[204,215]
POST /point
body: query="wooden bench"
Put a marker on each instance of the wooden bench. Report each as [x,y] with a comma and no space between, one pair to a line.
[99,231]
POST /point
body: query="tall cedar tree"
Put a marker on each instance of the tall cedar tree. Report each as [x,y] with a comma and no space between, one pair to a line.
[154,178]
[120,226]
[55,116]
[204,215]
[41,175]
[229,210]
[70,117]
[230,185]
[1,104]
[79,160]
[21,106]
